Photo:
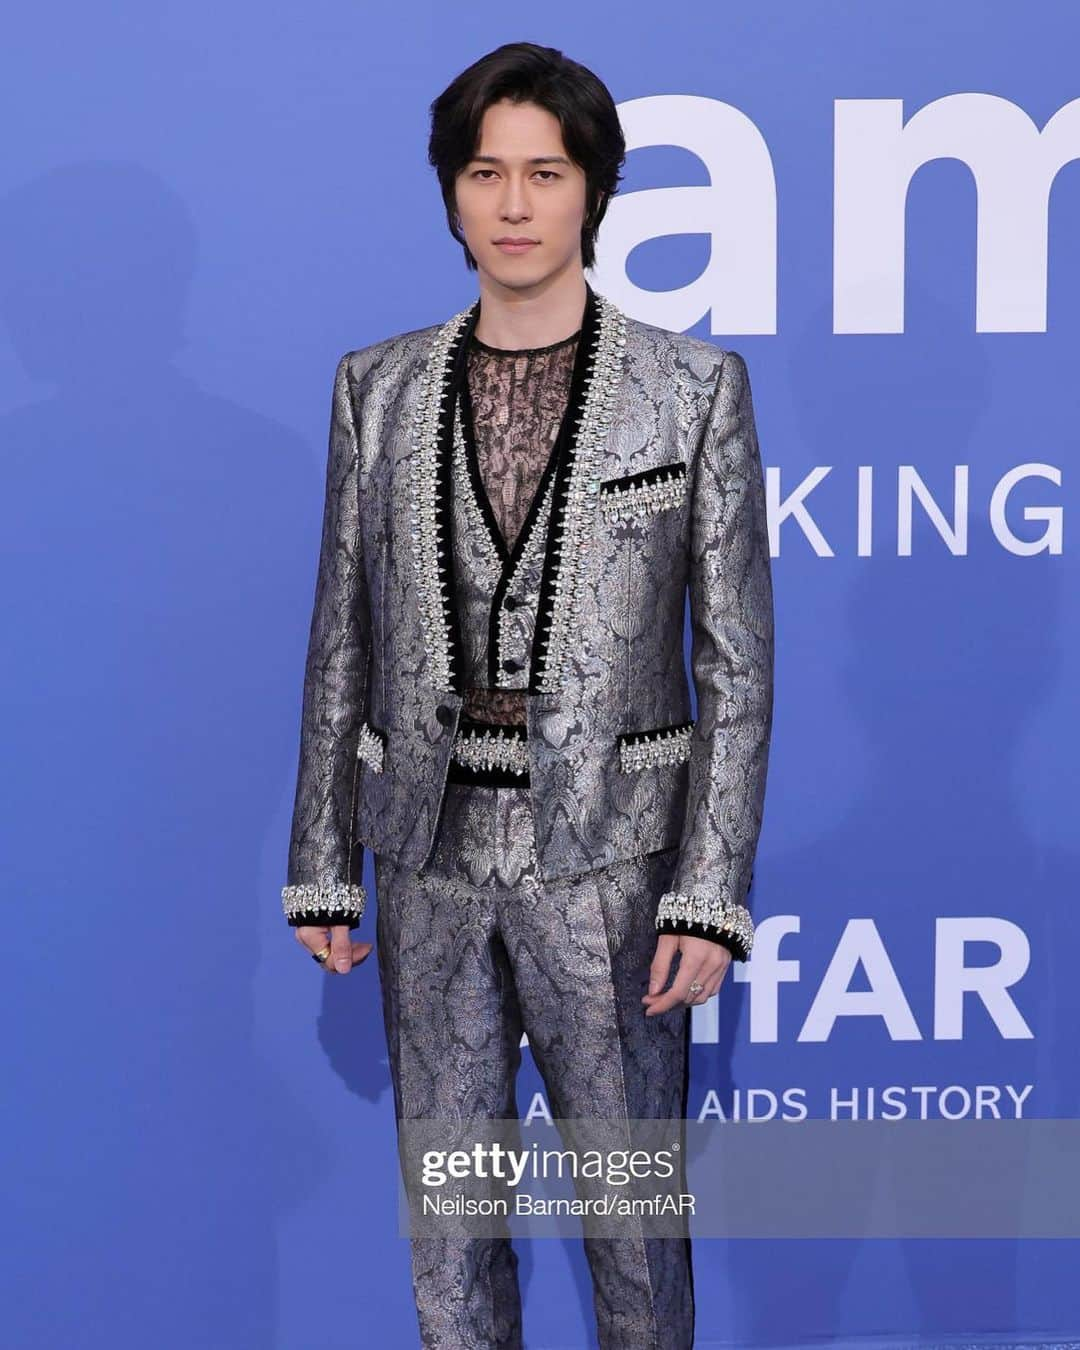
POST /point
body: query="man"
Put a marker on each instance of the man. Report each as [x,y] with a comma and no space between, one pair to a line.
[495,697]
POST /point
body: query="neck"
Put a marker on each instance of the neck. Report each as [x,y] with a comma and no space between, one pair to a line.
[513,318]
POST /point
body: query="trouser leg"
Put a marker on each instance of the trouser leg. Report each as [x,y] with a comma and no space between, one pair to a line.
[580,951]
[453,1031]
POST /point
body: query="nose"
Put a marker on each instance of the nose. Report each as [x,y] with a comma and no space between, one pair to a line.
[515,202]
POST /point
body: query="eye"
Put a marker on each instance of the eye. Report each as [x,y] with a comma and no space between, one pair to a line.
[547,174]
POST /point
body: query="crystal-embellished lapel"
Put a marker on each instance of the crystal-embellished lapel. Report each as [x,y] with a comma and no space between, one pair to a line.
[598,372]
[430,499]
[597,379]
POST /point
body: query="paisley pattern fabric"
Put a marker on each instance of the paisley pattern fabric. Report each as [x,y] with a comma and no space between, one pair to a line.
[325,869]
[477,947]
[600,620]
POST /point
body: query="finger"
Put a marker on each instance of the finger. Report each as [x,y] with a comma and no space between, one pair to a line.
[710,973]
[666,947]
[713,982]
[358,952]
[708,957]
[341,949]
[689,970]
[313,938]
[697,961]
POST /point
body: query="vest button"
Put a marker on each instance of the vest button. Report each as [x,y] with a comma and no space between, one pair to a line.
[511,602]
[444,714]
[511,665]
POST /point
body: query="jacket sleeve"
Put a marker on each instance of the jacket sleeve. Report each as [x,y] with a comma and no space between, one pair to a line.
[325,864]
[731,614]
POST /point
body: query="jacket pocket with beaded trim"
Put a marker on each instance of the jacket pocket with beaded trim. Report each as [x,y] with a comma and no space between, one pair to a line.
[650,748]
[637,496]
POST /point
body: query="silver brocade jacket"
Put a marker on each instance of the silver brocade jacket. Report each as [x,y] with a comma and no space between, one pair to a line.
[655,486]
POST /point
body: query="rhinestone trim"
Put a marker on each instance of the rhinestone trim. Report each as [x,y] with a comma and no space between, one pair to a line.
[371,747]
[428,557]
[644,749]
[709,913]
[643,494]
[501,748]
[333,896]
[603,377]
[533,545]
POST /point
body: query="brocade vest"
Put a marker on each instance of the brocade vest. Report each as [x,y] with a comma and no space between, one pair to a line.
[508,416]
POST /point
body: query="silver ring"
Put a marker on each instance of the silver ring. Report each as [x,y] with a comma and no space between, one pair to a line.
[695,988]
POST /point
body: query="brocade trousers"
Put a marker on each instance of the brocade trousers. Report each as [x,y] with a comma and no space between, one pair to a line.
[475,948]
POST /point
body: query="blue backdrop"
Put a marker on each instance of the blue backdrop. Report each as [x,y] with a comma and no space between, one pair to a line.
[201,208]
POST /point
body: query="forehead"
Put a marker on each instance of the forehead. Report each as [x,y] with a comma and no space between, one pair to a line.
[519,131]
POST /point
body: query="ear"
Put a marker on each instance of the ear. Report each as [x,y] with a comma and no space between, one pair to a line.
[595,213]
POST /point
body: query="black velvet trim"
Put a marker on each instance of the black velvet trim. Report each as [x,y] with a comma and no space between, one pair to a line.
[493,777]
[323,918]
[658,473]
[563,459]
[452,379]
[634,737]
[700,930]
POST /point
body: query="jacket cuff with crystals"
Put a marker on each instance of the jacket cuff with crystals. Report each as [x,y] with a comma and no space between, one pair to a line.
[323,906]
[697,916]
[325,862]
[731,620]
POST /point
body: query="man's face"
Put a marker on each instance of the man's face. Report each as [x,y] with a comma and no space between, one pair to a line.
[521,185]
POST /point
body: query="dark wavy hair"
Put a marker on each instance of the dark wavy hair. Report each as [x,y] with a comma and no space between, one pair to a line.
[525,73]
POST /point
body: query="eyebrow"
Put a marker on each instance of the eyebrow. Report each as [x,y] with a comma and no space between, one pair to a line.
[535,159]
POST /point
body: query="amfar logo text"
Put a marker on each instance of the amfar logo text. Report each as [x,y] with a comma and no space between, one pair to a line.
[960,990]
[876,154]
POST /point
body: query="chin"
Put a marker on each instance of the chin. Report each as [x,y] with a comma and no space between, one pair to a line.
[515,278]
[525,273]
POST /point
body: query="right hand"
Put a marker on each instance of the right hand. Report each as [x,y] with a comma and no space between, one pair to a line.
[344,953]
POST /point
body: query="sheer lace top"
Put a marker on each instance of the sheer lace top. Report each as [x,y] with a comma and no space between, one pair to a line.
[518,400]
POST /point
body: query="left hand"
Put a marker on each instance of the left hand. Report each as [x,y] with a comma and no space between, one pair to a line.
[344,953]
[700,960]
